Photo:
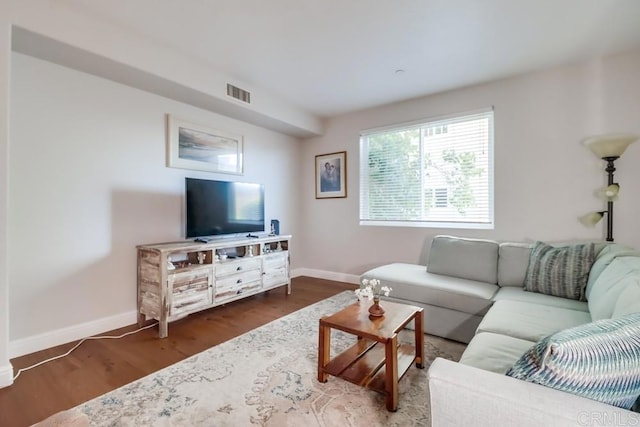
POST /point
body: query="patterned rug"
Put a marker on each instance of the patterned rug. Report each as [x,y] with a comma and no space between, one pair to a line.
[267,377]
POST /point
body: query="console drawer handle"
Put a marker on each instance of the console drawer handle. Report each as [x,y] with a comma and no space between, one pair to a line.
[239,281]
[239,268]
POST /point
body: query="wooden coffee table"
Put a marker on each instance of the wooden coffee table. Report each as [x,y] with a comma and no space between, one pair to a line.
[376,360]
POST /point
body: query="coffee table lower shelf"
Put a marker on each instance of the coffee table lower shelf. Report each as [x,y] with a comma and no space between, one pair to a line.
[363,364]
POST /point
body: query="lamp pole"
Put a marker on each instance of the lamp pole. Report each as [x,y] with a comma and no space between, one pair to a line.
[610,170]
[608,148]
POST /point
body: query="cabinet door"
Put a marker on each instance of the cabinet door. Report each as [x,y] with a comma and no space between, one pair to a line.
[190,291]
[276,269]
[274,261]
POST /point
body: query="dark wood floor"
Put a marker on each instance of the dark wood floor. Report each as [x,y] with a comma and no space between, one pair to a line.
[99,366]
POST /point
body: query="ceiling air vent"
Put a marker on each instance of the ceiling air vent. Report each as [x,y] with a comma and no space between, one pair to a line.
[239,94]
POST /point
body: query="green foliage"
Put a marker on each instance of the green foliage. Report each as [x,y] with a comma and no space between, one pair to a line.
[398,181]
[394,165]
[458,170]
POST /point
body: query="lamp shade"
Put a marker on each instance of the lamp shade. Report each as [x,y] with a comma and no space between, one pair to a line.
[591,219]
[612,145]
[609,193]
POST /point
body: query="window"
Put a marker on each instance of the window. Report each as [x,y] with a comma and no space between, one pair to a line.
[436,198]
[435,173]
[436,130]
[441,198]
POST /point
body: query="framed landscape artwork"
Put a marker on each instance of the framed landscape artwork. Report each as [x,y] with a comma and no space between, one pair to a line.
[198,147]
[331,175]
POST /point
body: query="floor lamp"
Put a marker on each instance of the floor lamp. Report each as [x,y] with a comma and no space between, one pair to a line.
[609,148]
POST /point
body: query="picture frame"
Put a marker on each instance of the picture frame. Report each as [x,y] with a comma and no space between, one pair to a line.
[199,147]
[331,175]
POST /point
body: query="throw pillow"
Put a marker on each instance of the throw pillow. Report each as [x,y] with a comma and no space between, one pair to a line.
[559,271]
[599,361]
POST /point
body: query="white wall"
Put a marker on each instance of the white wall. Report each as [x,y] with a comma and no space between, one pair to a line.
[88,183]
[6,370]
[67,34]
[80,39]
[544,177]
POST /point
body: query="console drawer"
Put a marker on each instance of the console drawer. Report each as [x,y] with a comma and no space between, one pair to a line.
[236,280]
[237,266]
[223,294]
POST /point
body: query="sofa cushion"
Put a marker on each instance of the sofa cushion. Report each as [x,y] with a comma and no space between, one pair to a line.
[494,352]
[511,293]
[472,259]
[411,282]
[629,300]
[513,260]
[599,361]
[560,271]
[603,259]
[622,272]
[528,321]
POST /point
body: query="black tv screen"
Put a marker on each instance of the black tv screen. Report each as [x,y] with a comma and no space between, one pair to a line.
[215,208]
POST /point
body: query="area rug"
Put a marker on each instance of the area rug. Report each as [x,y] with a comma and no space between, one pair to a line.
[268,377]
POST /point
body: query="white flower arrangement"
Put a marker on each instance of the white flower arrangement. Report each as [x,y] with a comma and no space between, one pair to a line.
[370,288]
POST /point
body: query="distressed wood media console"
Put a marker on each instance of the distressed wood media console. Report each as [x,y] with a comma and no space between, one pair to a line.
[177,279]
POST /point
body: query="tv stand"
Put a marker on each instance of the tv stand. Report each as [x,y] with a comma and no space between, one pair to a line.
[207,274]
[252,236]
[201,240]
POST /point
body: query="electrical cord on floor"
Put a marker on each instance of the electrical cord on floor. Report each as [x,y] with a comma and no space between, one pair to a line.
[78,345]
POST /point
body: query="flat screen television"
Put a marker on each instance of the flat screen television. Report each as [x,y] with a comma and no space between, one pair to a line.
[217,208]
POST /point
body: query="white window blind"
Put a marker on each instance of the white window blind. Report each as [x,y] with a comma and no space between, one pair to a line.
[435,173]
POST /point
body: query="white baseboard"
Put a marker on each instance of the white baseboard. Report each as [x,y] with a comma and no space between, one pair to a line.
[72,333]
[328,275]
[6,375]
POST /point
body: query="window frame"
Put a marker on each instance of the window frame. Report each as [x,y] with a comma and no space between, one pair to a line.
[426,123]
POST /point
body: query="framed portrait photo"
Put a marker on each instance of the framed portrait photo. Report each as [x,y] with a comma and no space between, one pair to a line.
[198,147]
[331,175]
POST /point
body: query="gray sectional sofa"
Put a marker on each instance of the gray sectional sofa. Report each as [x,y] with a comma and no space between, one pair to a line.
[472,291]
[460,283]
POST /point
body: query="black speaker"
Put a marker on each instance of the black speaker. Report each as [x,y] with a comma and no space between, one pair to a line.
[275,227]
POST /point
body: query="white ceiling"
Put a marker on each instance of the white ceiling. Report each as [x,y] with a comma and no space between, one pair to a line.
[329,57]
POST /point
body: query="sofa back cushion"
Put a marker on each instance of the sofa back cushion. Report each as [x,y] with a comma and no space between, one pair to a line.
[603,259]
[473,259]
[513,259]
[612,293]
[629,300]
